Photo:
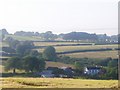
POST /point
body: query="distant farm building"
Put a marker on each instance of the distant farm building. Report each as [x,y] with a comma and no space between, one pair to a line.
[92,70]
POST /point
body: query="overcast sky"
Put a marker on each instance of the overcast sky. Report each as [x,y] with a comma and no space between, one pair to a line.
[60,16]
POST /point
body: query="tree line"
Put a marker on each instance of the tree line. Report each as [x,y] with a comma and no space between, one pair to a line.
[72,36]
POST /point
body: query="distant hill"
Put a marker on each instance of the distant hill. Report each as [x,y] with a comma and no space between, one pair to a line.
[71,36]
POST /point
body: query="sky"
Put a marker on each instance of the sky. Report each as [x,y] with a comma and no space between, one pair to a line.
[60,16]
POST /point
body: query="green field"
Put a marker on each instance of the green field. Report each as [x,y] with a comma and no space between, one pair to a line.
[56,83]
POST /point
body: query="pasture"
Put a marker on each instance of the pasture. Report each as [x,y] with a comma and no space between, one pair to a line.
[56,83]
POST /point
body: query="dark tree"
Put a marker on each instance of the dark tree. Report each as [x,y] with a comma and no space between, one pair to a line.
[104,62]
[49,53]
[113,63]
[9,39]
[23,33]
[34,53]
[4,31]
[33,64]
[13,44]
[112,69]
[112,73]
[24,48]
[48,35]
[13,63]
[79,66]
[80,36]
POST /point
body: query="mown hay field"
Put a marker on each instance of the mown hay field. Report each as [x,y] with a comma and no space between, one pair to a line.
[100,54]
[56,83]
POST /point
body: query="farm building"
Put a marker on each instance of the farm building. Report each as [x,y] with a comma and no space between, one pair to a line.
[68,71]
[92,70]
[47,74]
[57,72]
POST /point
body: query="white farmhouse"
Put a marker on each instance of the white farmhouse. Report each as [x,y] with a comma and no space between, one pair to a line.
[92,70]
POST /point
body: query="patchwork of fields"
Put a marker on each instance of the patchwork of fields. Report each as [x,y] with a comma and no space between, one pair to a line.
[56,83]
[21,82]
[99,54]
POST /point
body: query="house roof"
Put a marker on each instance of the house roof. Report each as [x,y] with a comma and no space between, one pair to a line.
[93,68]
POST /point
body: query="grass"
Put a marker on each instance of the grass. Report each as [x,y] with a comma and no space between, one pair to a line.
[56,83]
[103,54]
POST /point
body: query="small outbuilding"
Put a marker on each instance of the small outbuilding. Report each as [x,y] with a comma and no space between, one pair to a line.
[47,74]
